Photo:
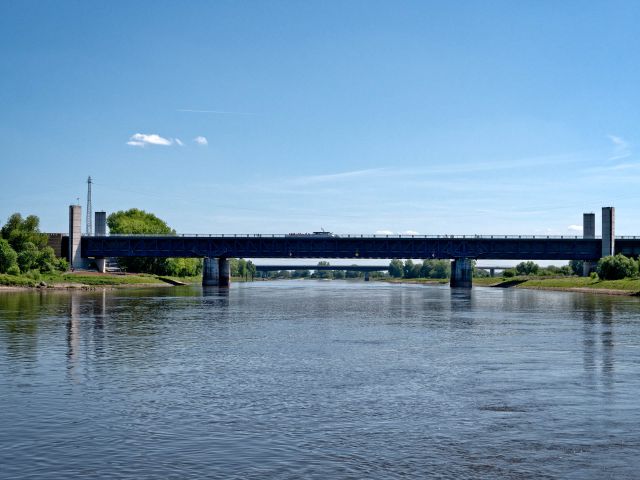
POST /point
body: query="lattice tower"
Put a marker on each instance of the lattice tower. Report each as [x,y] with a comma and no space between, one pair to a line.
[89,208]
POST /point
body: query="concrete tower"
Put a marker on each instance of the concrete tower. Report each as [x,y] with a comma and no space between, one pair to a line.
[588,231]
[75,233]
[608,231]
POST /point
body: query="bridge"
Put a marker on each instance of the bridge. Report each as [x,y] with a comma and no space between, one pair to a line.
[462,249]
[348,268]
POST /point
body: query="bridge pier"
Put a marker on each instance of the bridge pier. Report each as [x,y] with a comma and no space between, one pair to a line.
[461,273]
[366,276]
[216,272]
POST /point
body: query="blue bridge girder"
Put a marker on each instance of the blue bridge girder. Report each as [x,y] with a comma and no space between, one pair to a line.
[285,246]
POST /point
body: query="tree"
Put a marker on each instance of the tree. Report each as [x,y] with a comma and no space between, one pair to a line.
[616,267]
[527,268]
[135,221]
[8,256]
[576,266]
[139,222]
[18,232]
[323,273]
[396,268]
[440,269]
[28,257]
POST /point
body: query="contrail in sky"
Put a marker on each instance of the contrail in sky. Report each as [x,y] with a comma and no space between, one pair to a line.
[223,112]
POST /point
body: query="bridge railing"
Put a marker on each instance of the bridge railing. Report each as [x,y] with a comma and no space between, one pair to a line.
[327,237]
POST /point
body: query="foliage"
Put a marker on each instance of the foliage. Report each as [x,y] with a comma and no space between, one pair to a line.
[13,270]
[427,269]
[527,268]
[576,266]
[328,274]
[242,268]
[28,257]
[616,267]
[18,232]
[138,222]
[396,268]
[29,246]
[8,256]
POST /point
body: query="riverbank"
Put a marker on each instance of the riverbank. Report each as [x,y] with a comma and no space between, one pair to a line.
[627,286]
[88,280]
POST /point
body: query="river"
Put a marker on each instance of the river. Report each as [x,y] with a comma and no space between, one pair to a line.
[313,379]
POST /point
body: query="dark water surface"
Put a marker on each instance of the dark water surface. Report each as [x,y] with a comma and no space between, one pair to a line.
[303,379]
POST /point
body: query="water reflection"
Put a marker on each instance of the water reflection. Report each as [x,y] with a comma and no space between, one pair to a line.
[312,379]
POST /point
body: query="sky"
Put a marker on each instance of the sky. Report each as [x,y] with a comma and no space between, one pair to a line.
[464,117]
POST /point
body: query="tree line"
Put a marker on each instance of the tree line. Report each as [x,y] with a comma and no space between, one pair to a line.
[24,249]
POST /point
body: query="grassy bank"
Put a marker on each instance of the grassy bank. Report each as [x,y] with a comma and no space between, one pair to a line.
[627,286]
[90,279]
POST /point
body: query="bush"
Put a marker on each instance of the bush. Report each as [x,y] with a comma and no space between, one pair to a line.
[509,273]
[616,267]
[13,270]
[594,276]
[527,268]
[8,256]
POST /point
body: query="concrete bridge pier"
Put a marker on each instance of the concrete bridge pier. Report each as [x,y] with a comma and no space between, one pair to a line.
[461,273]
[366,276]
[216,272]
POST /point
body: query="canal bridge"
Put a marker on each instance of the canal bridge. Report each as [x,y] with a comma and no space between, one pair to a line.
[216,249]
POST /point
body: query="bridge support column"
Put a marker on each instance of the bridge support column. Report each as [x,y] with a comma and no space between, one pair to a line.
[210,272]
[366,276]
[461,272]
[216,272]
[492,272]
[224,267]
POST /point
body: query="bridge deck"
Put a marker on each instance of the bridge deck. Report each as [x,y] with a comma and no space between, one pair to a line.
[288,246]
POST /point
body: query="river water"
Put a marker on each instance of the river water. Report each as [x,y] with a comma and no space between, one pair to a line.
[312,379]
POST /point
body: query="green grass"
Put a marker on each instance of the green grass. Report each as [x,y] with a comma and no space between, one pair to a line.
[61,279]
[16,281]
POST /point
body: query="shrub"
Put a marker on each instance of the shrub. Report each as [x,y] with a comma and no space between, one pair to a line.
[616,267]
[13,270]
[527,268]
[509,273]
[8,256]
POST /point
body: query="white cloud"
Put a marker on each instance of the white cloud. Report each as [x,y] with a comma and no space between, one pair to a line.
[621,148]
[575,228]
[410,232]
[201,140]
[384,232]
[179,142]
[143,139]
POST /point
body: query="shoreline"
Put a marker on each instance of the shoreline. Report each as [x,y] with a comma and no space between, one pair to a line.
[171,282]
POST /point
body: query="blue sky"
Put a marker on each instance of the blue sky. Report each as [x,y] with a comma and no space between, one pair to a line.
[359,117]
